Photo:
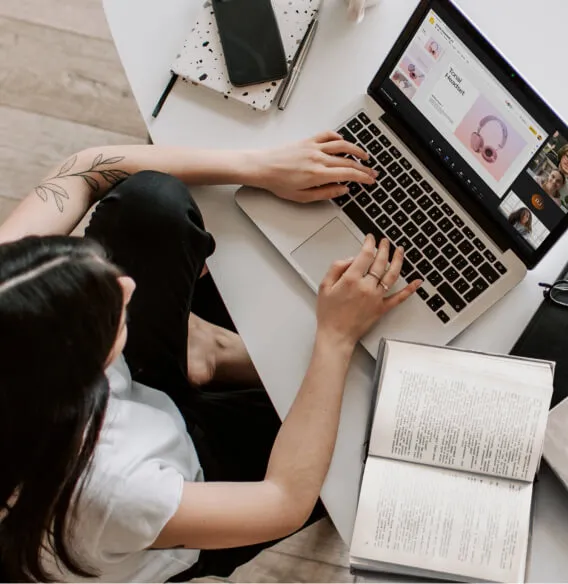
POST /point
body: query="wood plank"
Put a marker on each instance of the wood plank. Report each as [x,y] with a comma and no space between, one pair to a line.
[81,16]
[6,207]
[319,542]
[67,76]
[271,566]
[31,144]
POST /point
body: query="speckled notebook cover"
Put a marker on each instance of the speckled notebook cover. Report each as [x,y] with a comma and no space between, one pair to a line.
[201,60]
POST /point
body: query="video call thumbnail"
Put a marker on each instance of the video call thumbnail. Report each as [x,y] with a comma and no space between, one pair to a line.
[523,220]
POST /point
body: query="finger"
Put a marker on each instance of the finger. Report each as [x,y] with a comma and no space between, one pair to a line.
[381,260]
[335,272]
[398,298]
[327,136]
[345,174]
[391,275]
[361,263]
[343,147]
[325,192]
[339,162]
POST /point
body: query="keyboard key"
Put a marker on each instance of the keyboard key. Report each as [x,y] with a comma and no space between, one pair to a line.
[384,141]
[363,199]
[500,268]
[404,242]
[451,274]
[399,218]
[374,147]
[342,199]
[479,286]
[434,278]
[468,232]
[374,130]
[449,251]
[373,210]
[347,135]
[465,247]
[389,207]
[393,233]
[415,175]
[410,229]
[380,196]
[354,125]
[447,209]
[395,151]
[405,164]
[414,256]
[384,158]
[435,303]
[364,118]
[394,169]
[426,186]
[365,136]
[383,221]
[445,224]
[479,244]
[409,205]
[443,316]
[370,163]
[369,188]
[354,188]
[439,240]
[489,273]
[406,268]
[437,198]
[398,195]
[424,267]
[455,236]
[420,240]
[461,285]
[430,251]
[458,221]
[404,180]
[388,183]
[425,202]
[475,258]
[415,191]
[429,228]
[459,262]
[422,293]
[435,213]
[441,263]
[418,217]
[470,274]
[358,216]
[489,256]
[451,297]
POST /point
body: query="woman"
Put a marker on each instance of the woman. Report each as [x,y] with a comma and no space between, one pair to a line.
[552,184]
[521,220]
[563,168]
[106,478]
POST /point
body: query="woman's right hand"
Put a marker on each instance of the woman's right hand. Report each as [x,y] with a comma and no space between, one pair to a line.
[351,300]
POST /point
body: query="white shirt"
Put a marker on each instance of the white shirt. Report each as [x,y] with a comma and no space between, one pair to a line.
[141,461]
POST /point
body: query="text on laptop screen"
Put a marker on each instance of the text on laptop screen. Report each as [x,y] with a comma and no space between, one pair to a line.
[480,131]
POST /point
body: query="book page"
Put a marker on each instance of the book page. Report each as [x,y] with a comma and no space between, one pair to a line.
[443,521]
[461,410]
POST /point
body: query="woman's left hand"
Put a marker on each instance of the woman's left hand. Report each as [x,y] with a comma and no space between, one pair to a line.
[312,169]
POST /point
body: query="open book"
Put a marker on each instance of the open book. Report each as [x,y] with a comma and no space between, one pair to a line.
[455,443]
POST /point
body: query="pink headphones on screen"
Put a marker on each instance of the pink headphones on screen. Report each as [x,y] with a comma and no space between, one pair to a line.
[433,46]
[412,72]
[489,153]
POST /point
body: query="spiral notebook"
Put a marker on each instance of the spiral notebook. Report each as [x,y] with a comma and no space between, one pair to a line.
[201,61]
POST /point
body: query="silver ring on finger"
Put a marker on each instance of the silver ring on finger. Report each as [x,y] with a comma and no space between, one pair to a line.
[374,275]
[385,287]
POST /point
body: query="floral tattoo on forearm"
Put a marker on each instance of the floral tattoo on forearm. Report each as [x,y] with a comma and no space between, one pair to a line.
[98,171]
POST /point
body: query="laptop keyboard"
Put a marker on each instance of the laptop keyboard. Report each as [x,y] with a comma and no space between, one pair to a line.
[440,247]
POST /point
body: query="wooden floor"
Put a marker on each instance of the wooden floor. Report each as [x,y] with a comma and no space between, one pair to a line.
[62,88]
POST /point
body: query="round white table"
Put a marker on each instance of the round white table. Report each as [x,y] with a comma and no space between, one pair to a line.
[272,308]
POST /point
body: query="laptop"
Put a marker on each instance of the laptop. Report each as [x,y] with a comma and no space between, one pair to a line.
[472,181]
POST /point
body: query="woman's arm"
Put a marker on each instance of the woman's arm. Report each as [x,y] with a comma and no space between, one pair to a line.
[219,515]
[296,172]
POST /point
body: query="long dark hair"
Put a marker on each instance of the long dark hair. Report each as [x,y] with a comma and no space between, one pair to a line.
[515,217]
[60,310]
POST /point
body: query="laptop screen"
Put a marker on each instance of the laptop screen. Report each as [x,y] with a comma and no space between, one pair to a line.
[495,136]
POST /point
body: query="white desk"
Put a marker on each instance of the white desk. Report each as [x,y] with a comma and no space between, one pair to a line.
[272,308]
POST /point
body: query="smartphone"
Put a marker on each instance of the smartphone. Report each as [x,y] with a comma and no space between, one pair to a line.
[251,41]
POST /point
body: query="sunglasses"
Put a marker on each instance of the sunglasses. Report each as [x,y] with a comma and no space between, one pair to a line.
[557,292]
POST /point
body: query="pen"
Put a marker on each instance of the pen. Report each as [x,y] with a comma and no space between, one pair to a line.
[292,78]
[164,95]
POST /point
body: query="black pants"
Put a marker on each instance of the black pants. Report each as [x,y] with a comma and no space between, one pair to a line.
[152,229]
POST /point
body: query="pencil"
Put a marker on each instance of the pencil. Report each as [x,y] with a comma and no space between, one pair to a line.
[164,95]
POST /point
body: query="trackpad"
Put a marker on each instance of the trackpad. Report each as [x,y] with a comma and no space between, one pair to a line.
[332,242]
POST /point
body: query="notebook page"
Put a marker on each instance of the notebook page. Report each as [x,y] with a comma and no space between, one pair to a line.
[461,410]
